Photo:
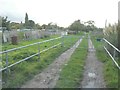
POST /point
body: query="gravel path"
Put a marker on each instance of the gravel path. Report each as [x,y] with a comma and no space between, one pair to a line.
[93,75]
[50,75]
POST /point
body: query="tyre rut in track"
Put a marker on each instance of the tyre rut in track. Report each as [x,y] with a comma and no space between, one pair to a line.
[93,74]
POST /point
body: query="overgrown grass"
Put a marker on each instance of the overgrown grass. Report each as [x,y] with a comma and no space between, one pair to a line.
[72,73]
[7,46]
[26,70]
[17,55]
[110,70]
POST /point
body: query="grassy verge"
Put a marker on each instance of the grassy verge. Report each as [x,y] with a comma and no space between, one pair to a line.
[110,70]
[20,73]
[72,73]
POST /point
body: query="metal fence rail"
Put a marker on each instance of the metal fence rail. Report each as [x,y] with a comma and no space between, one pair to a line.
[115,49]
[28,57]
[111,45]
[29,45]
[112,57]
[10,50]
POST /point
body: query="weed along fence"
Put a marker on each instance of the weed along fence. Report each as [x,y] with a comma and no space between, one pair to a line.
[114,52]
[7,66]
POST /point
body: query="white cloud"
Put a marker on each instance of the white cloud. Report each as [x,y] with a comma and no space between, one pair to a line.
[62,12]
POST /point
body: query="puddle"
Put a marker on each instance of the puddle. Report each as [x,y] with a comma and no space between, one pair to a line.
[92,75]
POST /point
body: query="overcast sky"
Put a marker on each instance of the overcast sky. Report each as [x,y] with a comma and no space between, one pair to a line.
[61,12]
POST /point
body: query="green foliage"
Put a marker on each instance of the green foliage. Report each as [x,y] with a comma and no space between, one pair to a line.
[52,26]
[31,24]
[14,25]
[86,26]
[26,21]
[76,26]
[26,18]
[111,34]
[37,26]
[90,23]
[44,26]
[5,23]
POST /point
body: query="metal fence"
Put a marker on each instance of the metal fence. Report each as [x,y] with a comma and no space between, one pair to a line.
[115,50]
[38,43]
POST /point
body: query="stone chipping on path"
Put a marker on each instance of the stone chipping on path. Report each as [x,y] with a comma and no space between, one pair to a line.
[93,74]
[49,76]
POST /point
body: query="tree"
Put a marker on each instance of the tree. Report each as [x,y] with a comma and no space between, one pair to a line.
[37,26]
[49,26]
[76,26]
[26,18]
[44,26]
[90,25]
[31,24]
[5,24]
[14,25]
[52,25]
[26,21]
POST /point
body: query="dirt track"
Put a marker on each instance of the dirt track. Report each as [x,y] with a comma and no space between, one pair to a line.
[93,75]
[49,76]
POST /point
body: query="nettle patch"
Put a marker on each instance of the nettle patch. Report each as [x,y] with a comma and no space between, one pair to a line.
[17,56]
